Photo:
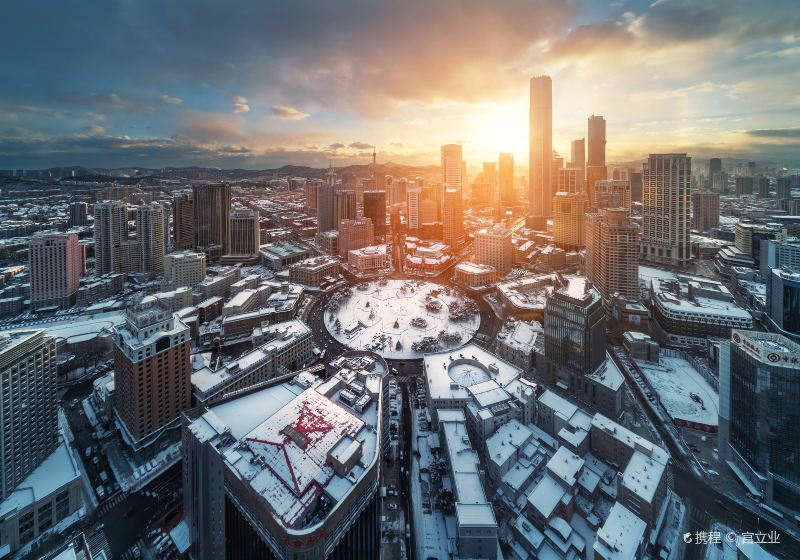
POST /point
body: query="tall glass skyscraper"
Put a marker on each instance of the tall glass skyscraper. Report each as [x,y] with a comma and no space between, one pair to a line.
[760,414]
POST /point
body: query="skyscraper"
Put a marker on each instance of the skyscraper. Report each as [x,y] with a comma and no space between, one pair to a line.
[413,211]
[212,209]
[493,247]
[714,166]
[541,147]
[744,186]
[325,220]
[452,167]
[150,235]
[375,210]
[597,140]
[110,230]
[78,214]
[56,264]
[783,299]
[612,254]
[152,370]
[569,180]
[612,193]
[245,236]
[312,194]
[453,218]
[578,158]
[575,327]
[705,210]
[182,220]
[29,415]
[759,400]
[596,163]
[666,208]
[506,179]
[344,206]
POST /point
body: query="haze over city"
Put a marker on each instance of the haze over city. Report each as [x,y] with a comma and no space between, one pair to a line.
[263,84]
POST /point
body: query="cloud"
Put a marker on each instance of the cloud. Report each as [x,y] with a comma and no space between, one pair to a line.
[171,100]
[108,102]
[775,133]
[287,113]
[359,145]
[336,146]
[240,104]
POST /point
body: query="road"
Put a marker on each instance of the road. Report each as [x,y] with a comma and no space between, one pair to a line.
[705,503]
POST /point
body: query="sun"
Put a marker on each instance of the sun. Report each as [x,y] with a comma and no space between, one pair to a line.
[499,128]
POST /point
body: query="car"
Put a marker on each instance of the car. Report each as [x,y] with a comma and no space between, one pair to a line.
[96,460]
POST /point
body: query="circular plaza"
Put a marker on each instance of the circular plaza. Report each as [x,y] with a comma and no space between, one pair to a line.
[401,319]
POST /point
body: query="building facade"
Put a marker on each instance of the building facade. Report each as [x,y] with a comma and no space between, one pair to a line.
[182,220]
[612,254]
[56,264]
[184,268]
[666,209]
[705,210]
[110,231]
[540,182]
[569,217]
[152,371]
[212,209]
[150,237]
[493,247]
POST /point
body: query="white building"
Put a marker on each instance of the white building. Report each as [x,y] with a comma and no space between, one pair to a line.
[471,275]
[369,258]
[184,268]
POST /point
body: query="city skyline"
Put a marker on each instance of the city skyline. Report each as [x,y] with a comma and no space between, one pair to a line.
[667,77]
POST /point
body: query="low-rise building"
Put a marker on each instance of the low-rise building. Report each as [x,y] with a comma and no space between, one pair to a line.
[369,259]
[474,276]
[314,271]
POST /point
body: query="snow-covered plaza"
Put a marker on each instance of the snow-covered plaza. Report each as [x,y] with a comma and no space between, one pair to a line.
[402,319]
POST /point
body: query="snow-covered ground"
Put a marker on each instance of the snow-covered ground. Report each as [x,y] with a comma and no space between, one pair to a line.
[378,315]
[675,380]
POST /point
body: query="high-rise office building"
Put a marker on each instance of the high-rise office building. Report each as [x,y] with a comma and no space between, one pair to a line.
[783,300]
[184,268]
[714,166]
[453,218]
[506,179]
[245,236]
[744,186]
[569,180]
[719,182]
[541,148]
[344,206]
[783,188]
[575,326]
[597,141]
[152,370]
[110,230]
[759,400]
[705,210]
[569,216]
[375,210]
[312,194]
[413,210]
[493,247]
[762,186]
[29,415]
[325,220]
[78,214]
[578,158]
[452,167]
[612,193]
[212,209]
[182,220]
[635,177]
[666,208]
[56,264]
[612,254]
[150,236]
[355,234]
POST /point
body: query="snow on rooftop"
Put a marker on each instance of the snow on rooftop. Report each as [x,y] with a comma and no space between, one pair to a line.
[546,496]
[608,374]
[565,465]
[620,535]
[507,440]
[676,381]
[451,374]
[55,472]
[642,475]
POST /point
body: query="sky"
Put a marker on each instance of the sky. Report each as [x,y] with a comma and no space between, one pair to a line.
[259,84]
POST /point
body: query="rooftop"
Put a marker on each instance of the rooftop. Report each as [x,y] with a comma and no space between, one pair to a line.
[620,535]
[451,374]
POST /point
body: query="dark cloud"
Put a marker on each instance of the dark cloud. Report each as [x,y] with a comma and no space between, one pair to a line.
[775,133]
[336,146]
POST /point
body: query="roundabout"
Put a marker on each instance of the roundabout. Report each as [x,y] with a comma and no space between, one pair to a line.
[401,319]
